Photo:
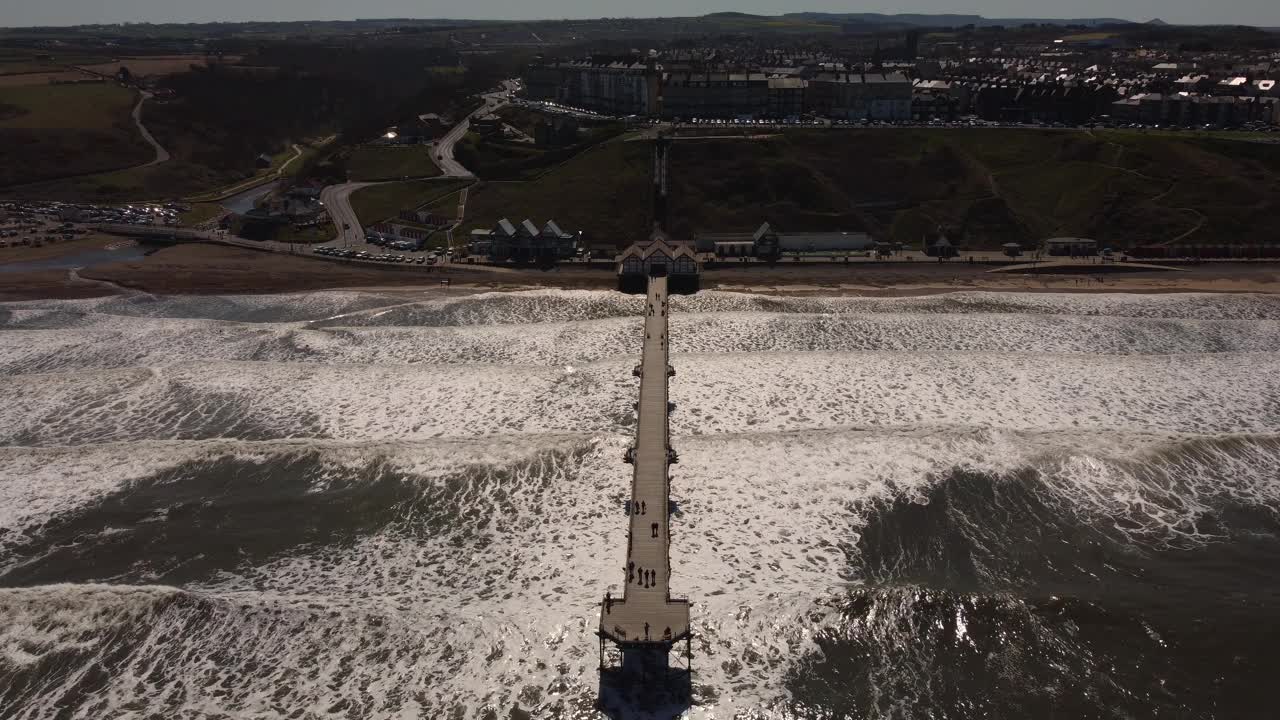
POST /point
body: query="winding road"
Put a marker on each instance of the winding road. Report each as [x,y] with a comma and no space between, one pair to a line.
[444,147]
[337,198]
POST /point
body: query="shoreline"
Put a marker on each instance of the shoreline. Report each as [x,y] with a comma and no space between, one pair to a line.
[220,270]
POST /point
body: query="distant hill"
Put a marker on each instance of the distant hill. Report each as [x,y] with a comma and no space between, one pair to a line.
[946,20]
[736,16]
[1156,21]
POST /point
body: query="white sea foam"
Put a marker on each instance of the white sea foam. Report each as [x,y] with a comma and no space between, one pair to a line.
[715,394]
[501,420]
[1202,306]
[118,341]
[536,306]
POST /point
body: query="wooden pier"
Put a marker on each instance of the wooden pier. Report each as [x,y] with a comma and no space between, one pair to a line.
[646,617]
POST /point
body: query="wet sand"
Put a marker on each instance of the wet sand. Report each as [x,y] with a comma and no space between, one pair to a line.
[209,269]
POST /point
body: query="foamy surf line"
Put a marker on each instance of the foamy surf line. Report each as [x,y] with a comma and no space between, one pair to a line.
[134,342]
[1201,394]
[524,307]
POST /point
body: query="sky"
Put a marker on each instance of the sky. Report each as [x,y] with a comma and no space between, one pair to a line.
[17,13]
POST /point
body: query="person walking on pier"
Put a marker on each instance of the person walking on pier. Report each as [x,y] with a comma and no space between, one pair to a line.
[631,572]
[642,508]
[646,631]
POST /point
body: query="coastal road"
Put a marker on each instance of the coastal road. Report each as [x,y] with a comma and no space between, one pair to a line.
[337,199]
[444,147]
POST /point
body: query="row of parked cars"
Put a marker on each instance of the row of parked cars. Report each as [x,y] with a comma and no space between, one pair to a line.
[375,257]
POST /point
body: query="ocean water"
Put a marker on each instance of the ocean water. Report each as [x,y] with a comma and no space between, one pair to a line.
[353,505]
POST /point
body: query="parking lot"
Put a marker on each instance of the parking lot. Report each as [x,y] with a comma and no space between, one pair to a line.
[1101,123]
[372,253]
[42,223]
[957,124]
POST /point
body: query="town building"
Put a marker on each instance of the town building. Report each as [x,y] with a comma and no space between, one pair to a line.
[786,97]
[860,96]
[659,256]
[767,243]
[524,243]
[715,95]
[487,125]
[935,100]
[421,129]
[614,88]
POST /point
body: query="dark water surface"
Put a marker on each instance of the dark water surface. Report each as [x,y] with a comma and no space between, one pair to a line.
[88,258]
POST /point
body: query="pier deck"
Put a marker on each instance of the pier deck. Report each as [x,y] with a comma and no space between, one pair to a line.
[646,614]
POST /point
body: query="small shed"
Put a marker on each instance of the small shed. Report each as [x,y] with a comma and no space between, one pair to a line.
[940,247]
[1070,247]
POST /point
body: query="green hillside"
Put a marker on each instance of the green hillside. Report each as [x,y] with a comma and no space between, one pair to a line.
[989,186]
[49,131]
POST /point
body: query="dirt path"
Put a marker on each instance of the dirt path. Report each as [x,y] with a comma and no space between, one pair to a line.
[162,155]
[1202,221]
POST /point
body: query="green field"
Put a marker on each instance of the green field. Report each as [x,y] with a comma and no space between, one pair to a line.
[985,187]
[93,106]
[603,192]
[173,180]
[201,212]
[22,66]
[496,159]
[381,202]
[368,163]
[50,131]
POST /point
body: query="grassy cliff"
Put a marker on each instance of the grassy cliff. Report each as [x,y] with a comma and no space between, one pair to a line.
[989,186]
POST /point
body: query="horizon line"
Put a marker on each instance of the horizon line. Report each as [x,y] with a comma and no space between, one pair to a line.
[605,17]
